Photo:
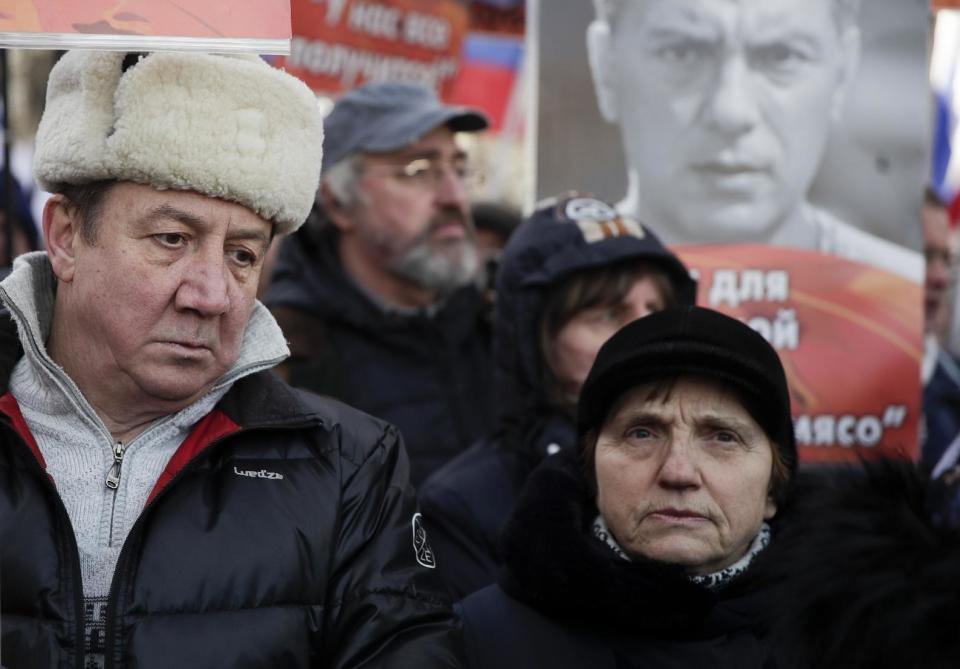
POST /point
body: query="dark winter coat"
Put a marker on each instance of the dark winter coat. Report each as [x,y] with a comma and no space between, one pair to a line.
[315,569]
[467,501]
[869,567]
[941,409]
[566,600]
[430,375]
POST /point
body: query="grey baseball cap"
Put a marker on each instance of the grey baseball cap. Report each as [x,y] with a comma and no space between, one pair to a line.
[389,115]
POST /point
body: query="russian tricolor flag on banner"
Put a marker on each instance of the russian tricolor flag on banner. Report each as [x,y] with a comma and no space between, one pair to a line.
[488,74]
[945,162]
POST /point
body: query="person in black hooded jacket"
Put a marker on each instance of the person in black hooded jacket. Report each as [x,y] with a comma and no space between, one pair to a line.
[640,549]
[571,275]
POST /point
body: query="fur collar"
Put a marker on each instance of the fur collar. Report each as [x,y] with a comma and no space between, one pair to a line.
[868,578]
[555,564]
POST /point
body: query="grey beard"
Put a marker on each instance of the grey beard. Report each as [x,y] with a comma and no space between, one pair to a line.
[436,270]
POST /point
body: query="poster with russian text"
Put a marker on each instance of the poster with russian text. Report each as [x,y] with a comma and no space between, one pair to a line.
[341,44]
[780,148]
[847,333]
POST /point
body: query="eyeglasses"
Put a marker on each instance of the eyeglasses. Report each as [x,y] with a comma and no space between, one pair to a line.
[428,173]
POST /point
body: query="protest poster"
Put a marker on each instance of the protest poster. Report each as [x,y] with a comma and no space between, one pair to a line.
[774,146]
[341,44]
[207,25]
[848,335]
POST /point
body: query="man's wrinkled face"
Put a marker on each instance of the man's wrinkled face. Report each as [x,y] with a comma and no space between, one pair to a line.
[161,300]
[413,214]
[725,108]
[683,477]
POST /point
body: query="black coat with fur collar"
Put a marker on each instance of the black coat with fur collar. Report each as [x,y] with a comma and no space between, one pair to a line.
[566,600]
[869,566]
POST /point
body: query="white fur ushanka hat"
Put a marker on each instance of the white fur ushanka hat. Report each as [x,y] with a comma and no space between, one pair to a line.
[230,127]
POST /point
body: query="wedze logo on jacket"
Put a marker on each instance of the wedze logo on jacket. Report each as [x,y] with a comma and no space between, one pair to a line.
[257,474]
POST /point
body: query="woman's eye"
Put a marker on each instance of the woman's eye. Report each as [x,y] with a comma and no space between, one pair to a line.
[612,313]
[170,239]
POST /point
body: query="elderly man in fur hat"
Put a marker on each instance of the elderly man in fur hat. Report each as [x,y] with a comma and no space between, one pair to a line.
[165,501]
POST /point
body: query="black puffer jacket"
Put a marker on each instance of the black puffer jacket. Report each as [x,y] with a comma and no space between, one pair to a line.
[282,536]
[567,601]
[467,501]
[430,375]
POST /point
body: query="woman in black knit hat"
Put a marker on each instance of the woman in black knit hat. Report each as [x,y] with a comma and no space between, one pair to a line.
[640,549]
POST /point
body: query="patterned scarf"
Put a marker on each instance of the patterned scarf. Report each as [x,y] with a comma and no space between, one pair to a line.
[712,581]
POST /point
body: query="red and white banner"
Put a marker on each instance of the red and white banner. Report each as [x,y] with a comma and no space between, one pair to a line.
[340,44]
[849,336]
[67,24]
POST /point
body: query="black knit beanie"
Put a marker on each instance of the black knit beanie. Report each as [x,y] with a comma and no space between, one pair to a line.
[699,341]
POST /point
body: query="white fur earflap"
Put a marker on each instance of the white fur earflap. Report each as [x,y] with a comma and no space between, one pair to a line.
[230,127]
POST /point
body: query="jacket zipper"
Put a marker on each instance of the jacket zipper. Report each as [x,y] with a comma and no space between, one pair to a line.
[70,390]
[112,644]
[66,534]
[116,471]
[113,476]
[113,482]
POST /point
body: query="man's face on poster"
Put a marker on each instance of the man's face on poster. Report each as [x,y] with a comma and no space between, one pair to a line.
[725,107]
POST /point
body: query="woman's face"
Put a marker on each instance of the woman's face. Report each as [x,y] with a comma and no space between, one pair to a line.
[684,478]
[578,341]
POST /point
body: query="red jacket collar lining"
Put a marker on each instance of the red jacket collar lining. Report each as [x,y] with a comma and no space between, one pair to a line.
[211,427]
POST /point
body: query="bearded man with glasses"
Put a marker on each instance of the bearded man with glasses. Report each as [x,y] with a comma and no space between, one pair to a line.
[378,295]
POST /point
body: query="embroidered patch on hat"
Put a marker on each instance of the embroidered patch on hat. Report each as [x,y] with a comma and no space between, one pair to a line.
[598,220]
[421,547]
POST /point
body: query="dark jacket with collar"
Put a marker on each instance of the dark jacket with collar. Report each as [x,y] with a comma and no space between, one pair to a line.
[467,501]
[868,567]
[565,599]
[428,374]
[282,534]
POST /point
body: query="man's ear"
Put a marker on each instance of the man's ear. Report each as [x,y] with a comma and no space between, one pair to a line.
[335,209]
[61,235]
[850,65]
[599,54]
